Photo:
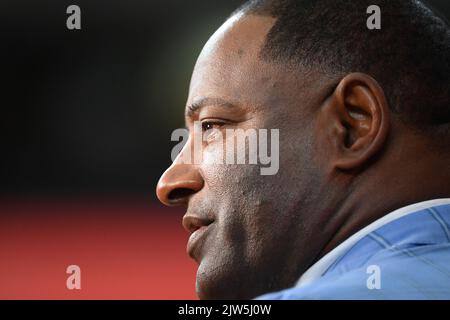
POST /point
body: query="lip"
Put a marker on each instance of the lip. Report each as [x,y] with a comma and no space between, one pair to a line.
[195,242]
[198,226]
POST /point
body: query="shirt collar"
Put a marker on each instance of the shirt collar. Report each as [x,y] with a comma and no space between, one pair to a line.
[317,269]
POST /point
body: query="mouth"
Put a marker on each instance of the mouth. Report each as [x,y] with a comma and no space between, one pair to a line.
[198,228]
[195,243]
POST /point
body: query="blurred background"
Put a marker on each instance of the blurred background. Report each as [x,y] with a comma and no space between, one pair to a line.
[85,121]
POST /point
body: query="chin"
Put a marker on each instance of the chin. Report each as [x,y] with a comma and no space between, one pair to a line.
[211,285]
[213,282]
[217,283]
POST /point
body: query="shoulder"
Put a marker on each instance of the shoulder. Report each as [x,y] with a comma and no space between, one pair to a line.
[412,272]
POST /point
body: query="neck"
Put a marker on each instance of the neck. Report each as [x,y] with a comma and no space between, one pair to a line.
[423,176]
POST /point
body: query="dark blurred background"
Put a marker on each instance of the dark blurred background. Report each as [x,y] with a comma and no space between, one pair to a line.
[86,118]
[91,111]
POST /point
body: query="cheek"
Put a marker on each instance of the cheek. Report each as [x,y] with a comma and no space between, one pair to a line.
[243,199]
[236,193]
[213,152]
[236,186]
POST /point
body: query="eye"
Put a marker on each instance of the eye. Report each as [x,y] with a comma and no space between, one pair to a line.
[208,125]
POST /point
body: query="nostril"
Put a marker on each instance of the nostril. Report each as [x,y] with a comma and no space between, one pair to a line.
[180,193]
[177,184]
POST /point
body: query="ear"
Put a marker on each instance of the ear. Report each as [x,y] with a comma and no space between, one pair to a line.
[353,122]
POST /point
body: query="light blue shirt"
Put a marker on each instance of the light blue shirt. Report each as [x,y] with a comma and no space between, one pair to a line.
[404,255]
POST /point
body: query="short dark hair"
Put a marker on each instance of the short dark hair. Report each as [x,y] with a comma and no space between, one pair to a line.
[409,56]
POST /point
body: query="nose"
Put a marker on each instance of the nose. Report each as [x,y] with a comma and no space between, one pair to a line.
[178,183]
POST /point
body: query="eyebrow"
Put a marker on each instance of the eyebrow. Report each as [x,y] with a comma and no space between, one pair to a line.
[196,106]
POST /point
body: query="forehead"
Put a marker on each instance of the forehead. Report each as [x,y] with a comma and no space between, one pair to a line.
[228,66]
[240,32]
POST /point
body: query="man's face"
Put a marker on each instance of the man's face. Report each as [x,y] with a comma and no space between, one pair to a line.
[253,233]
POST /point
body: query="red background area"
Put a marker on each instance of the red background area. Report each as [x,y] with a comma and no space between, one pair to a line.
[126,249]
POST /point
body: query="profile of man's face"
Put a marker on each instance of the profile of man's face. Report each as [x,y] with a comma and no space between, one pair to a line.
[249,226]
